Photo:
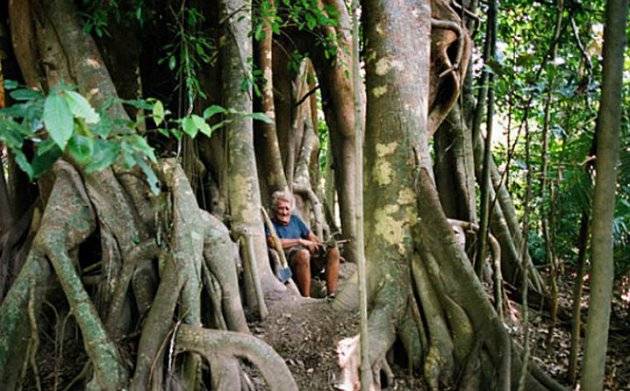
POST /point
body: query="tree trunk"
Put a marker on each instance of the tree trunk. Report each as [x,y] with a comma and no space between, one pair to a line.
[274,172]
[608,128]
[455,168]
[338,103]
[413,256]
[244,191]
[133,230]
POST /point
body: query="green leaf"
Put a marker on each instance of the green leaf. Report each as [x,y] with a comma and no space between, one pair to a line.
[212,110]
[17,110]
[172,63]
[10,84]
[58,119]
[189,127]
[80,107]
[12,133]
[104,127]
[177,133]
[127,155]
[139,104]
[259,34]
[23,163]
[139,144]
[311,22]
[25,94]
[262,117]
[158,112]
[152,179]
[81,149]
[220,124]
[201,124]
[46,155]
[104,155]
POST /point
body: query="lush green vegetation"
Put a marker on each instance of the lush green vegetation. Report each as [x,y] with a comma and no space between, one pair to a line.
[539,86]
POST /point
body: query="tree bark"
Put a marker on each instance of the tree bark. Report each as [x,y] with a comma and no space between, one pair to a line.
[608,128]
[484,185]
[455,167]
[338,103]
[244,190]
[274,172]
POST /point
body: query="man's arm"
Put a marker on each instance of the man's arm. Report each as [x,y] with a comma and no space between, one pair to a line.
[313,238]
[288,243]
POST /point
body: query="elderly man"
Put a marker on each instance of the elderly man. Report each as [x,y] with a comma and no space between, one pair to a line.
[305,252]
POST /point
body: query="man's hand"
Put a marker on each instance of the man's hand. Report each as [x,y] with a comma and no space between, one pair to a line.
[312,246]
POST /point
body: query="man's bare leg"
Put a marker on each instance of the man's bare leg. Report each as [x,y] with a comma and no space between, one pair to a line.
[332,270]
[302,269]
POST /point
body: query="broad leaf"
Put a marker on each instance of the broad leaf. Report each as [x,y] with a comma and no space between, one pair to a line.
[81,148]
[11,133]
[10,84]
[201,124]
[104,127]
[25,94]
[80,107]
[58,119]
[104,155]
[158,112]
[23,163]
[212,110]
[262,117]
[189,127]
[46,155]
[17,110]
[152,179]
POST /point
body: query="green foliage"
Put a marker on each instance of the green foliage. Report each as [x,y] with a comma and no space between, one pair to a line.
[65,124]
[303,15]
[190,50]
[526,73]
[97,14]
[266,12]
[253,78]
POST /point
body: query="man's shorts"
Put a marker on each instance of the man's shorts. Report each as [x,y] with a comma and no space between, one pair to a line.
[318,260]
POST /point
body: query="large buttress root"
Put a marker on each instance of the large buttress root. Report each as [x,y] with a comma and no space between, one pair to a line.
[220,255]
[67,232]
[68,220]
[212,342]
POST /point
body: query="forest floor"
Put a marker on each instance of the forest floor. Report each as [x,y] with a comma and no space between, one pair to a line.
[553,356]
[306,332]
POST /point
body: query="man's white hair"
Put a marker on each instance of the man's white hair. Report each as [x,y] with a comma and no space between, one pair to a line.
[280,195]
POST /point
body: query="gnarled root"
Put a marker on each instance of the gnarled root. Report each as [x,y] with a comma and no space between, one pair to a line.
[231,344]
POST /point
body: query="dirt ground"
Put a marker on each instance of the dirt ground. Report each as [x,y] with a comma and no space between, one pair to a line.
[553,357]
[306,332]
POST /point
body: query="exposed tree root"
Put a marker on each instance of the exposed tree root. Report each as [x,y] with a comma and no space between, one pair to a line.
[212,342]
[197,242]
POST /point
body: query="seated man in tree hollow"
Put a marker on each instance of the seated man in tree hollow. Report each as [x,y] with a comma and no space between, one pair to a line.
[306,254]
